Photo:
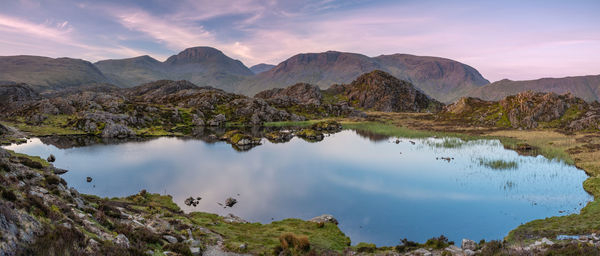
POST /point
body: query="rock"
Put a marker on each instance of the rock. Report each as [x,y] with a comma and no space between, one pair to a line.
[310,134]
[547,241]
[218,120]
[112,130]
[422,252]
[243,246]
[170,239]
[468,252]
[149,252]
[190,201]
[58,171]
[230,202]
[300,93]
[324,219]
[467,244]
[121,240]
[279,136]
[195,250]
[327,126]
[88,179]
[230,218]
[51,158]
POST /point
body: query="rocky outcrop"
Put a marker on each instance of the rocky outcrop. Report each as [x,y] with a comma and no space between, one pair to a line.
[527,110]
[307,100]
[381,91]
[300,93]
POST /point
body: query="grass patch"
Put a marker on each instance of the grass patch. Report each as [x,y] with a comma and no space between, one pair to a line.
[265,238]
[498,164]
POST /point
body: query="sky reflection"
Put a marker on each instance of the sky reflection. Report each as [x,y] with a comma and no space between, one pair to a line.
[379,191]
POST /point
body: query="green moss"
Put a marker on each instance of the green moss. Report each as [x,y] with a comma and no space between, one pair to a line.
[44,129]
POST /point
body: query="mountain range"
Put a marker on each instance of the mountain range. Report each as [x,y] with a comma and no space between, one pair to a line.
[443,79]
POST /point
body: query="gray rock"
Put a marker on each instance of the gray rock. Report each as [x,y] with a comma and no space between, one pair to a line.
[324,218]
[243,246]
[230,218]
[422,252]
[218,120]
[468,252]
[170,239]
[195,250]
[468,245]
[113,130]
[121,240]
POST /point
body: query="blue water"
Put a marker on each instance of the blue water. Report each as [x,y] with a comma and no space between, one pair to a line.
[379,191]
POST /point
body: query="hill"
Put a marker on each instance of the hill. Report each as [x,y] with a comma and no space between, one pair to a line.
[262,67]
[585,87]
[45,73]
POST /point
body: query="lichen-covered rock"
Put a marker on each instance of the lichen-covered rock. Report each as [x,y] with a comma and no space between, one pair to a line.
[113,130]
[325,218]
[381,91]
[327,126]
[300,93]
[527,110]
[310,134]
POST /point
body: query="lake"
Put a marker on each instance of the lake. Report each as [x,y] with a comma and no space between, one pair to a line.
[379,190]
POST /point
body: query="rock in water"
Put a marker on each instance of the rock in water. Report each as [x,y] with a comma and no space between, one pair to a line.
[88,179]
[51,158]
[230,202]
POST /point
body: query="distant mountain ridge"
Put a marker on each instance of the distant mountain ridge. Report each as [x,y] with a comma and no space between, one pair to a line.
[443,79]
[44,72]
[200,65]
[262,67]
[585,87]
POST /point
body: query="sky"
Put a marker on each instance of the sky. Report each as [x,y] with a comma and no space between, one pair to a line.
[518,40]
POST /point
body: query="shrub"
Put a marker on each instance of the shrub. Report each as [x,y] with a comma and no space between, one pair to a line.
[406,245]
[438,242]
[365,247]
[493,247]
[52,180]
[292,241]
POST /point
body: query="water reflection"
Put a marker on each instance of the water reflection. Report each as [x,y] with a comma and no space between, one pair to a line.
[380,192]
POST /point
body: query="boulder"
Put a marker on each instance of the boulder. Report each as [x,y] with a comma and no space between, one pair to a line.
[121,240]
[325,218]
[113,130]
[170,239]
[467,244]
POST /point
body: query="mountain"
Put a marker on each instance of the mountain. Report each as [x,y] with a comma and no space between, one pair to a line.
[44,72]
[204,66]
[132,71]
[443,79]
[585,87]
[262,67]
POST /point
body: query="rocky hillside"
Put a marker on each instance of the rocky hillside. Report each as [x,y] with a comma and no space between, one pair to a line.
[159,108]
[585,87]
[44,72]
[380,91]
[443,79]
[307,100]
[527,110]
[200,65]
[262,67]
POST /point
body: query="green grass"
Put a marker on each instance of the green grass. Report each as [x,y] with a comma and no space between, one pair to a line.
[395,131]
[498,164]
[263,238]
[43,130]
[38,159]
[291,123]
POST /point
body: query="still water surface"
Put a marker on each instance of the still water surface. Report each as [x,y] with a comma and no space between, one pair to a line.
[379,191]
